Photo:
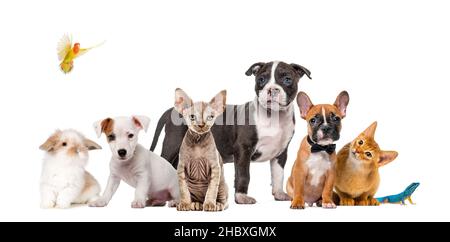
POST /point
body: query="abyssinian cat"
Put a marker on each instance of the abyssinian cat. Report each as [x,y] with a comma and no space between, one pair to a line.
[357,176]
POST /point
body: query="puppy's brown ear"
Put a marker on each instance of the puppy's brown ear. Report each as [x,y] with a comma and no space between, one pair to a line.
[219,101]
[51,142]
[103,126]
[182,101]
[91,145]
[387,157]
[341,102]
[253,69]
[301,70]
[304,103]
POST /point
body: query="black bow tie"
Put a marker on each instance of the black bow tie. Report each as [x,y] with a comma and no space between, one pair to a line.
[318,148]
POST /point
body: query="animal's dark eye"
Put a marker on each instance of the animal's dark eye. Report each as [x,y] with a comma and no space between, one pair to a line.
[368,154]
[111,137]
[313,120]
[287,81]
[360,142]
[192,117]
[64,144]
[335,118]
[130,136]
[261,81]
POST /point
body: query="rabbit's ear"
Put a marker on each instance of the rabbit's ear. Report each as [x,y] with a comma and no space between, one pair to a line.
[91,145]
[51,142]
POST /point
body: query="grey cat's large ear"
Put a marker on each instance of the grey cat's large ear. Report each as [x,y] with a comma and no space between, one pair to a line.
[341,102]
[253,69]
[182,100]
[304,103]
[387,157]
[301,70]
[91,145]
[370,131]
[219,101]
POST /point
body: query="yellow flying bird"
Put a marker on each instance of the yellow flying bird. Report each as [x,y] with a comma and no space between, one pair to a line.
[67,53]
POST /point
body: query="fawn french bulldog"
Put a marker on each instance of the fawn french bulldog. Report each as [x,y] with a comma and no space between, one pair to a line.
[312,176]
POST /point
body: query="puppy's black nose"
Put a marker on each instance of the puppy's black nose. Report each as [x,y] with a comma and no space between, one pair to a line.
[326,129]
[122,152]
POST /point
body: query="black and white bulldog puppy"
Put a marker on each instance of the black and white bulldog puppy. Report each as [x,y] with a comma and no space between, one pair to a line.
[259,130]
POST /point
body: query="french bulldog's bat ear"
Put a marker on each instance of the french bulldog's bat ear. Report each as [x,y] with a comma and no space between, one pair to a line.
[370,131]
[182,100]
[103,126]
[142,122]
[254,68]
[91,145]
[387,157]
[219,101]
[51,142]
[341,102]
[304,103]
[301,70]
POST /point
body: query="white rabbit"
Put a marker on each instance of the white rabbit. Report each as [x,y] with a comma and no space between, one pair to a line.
[64,180]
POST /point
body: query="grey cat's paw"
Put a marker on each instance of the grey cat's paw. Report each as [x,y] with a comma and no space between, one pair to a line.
[196,206]
[209,206]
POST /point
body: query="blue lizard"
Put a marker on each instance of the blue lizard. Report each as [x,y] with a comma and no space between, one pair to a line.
[401,197]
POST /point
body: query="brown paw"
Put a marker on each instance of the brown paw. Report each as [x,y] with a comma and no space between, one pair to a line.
[362,203]
[347,202]
[297,204]
[184,206]
[209,206]
[196,206]
[373,202]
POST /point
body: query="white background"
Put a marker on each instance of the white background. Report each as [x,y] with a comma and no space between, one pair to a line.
[391,56]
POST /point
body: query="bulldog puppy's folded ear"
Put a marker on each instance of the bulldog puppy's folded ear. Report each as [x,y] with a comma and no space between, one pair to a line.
[253,69]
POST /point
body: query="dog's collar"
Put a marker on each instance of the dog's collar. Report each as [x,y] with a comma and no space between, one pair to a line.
[318,148]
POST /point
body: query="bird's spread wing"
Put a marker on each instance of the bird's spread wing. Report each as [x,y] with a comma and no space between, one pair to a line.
[83,51]
[64,46]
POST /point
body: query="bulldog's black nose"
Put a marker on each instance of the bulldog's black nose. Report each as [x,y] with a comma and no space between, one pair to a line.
[326,129]
[122,152]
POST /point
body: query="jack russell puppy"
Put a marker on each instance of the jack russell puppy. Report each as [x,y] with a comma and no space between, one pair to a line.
[313,173]
[153,177]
